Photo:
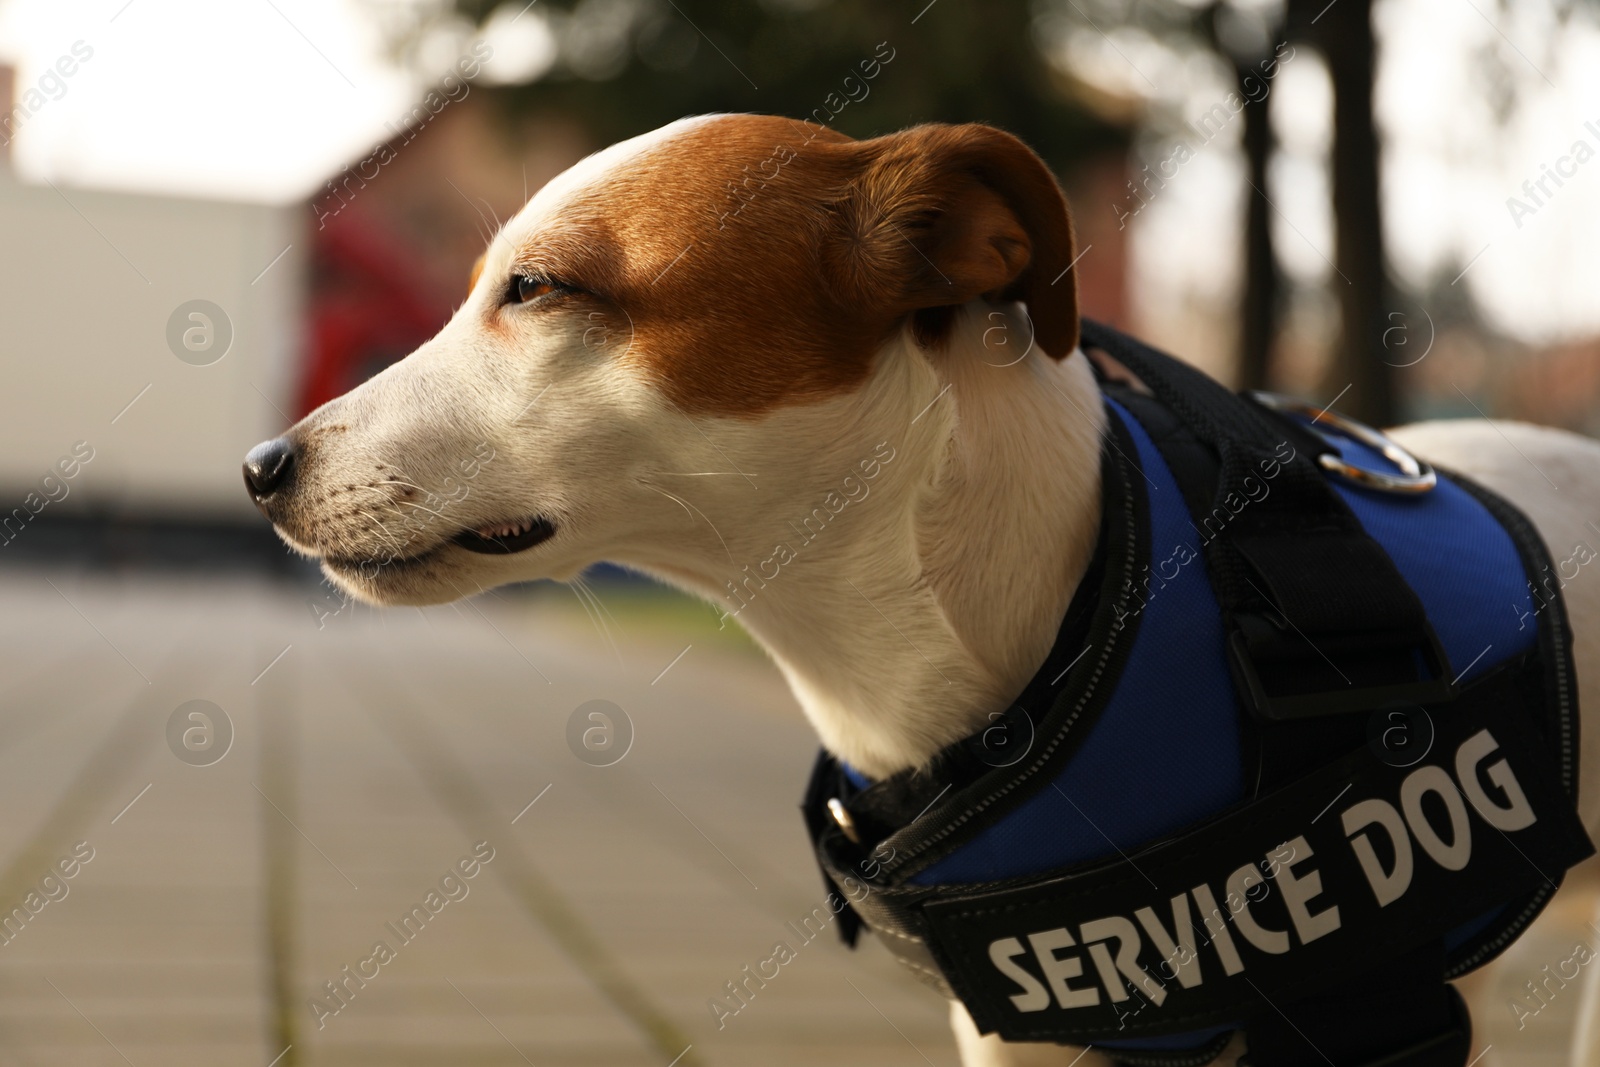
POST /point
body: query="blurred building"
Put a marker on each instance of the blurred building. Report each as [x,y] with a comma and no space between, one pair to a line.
[1470,371]
[96,284]
[1557,386]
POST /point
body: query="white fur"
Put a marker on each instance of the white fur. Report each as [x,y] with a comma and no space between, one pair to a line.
[922,605]
[898,630]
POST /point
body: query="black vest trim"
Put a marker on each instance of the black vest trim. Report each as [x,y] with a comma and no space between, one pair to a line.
[1305,557]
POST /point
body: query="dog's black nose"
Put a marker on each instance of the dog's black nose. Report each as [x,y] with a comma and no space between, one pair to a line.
[267,466]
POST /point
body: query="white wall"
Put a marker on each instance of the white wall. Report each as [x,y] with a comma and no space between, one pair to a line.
[88,281]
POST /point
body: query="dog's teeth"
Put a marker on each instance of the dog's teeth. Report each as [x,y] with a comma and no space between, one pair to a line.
[506,529]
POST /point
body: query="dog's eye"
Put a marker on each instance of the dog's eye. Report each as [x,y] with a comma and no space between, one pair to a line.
[525,288]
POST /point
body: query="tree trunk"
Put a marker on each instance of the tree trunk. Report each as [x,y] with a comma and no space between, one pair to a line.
[1361,279]
[1258,311]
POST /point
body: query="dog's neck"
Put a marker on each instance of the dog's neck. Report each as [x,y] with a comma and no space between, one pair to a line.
[930,599]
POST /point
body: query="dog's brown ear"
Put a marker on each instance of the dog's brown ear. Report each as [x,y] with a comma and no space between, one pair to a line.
[938,215]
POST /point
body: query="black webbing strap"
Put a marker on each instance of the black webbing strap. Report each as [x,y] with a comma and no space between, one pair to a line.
[1314,915]
[1380,1001]
[1401,1016]
[1346,635]
[1308,646]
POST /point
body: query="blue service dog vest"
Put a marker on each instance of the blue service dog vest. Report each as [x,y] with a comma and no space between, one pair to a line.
[1303,751]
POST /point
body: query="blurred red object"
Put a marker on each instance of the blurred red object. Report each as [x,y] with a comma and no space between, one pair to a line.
[370,306]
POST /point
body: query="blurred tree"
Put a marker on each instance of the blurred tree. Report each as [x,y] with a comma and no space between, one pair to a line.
[1246,38]
[627,66]
[1342,31]
[1156,47]
[1241,33]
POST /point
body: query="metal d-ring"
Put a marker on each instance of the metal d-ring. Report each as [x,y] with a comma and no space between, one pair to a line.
[1416,475]
[841,815]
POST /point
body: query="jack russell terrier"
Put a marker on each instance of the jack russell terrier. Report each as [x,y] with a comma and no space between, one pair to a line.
[900,310]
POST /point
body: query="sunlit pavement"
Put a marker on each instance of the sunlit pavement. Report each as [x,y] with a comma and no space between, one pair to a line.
[369,757]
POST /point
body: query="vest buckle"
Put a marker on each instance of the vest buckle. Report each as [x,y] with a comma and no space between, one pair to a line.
[1284,674]
[1411,475]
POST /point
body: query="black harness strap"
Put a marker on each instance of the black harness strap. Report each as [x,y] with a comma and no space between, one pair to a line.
[1296,632]
[1287,620]
[1325,968]
[1322,631]
[1393,1018]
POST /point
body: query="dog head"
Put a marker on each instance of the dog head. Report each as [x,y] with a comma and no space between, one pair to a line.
[672,335]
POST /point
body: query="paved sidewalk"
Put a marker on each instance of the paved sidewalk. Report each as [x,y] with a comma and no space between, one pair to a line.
[369,759]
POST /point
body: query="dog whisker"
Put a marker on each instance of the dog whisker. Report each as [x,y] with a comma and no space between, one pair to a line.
[393,543]
[390,540]
[594,597]
[601,604]
[395,503]
[419,507]
[489,237]
[692,510]
[400,482]
[383,526]
[389,505]
[588,609]
[712,443]
[587,596]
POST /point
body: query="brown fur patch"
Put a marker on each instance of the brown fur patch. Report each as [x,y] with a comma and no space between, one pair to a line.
[755,261]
